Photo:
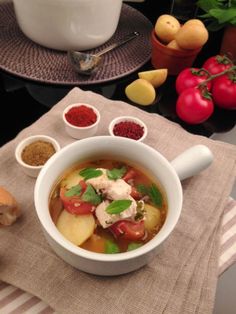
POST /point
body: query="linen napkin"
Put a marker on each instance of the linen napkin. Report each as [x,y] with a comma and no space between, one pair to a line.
[181,279]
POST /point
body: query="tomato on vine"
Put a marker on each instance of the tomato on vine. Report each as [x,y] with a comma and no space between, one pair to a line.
[217,64]
[224,91]
[191,77]
[194,105]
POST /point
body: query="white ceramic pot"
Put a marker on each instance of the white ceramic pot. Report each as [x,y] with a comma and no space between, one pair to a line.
[169,174]
[68,24]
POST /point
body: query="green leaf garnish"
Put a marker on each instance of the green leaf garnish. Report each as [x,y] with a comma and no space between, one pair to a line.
[143,189]
[89,173]
[133,246]
[91,196]
[116,207]
[153,192]
[116,173]
[111,247]
[74,191]
[155,195]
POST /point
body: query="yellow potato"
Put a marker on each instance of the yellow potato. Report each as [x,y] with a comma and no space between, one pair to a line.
[166,27]
[191,36]
[173,44]
[72,179]
[194,22]
[152,217]
[76,228]
[155,77]
[141,92]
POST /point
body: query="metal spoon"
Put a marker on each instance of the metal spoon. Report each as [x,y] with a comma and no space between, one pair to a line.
[85,63]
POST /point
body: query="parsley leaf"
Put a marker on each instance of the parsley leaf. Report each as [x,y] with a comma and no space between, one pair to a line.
[89,173]
[133,246]
[143,189]
[91,196]
[111,247]
[73,191]
[153,192]
[116,207]
[155,195]
[116,173]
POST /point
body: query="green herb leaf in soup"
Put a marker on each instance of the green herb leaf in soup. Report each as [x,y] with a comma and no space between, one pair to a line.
[91,196]
[89,173]
[111,247]
[133,245]
[74,191]
[155,195]
[116,207]
[116,173]
[143,189]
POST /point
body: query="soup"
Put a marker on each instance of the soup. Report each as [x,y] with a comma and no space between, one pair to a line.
[107,206]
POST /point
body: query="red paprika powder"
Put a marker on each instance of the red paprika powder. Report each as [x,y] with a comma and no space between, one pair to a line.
[128,129]
[81,116]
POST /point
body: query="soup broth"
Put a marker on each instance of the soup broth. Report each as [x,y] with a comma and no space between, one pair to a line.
[107,206]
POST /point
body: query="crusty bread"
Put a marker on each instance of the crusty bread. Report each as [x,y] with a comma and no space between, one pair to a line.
[9,208]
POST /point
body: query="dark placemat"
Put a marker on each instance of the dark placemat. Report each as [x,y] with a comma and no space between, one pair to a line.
[22,57]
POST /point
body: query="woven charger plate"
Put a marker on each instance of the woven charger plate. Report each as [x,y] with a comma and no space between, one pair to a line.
[22,57]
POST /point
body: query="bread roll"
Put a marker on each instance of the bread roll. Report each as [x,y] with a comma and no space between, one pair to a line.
[9,209]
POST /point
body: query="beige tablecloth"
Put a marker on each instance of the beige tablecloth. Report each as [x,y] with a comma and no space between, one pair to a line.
[181,279]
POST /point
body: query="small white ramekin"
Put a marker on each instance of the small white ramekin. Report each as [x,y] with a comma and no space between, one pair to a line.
[130,119]
[81,132]
[33,171]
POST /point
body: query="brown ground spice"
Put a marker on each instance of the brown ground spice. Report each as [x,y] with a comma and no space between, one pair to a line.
[37,153]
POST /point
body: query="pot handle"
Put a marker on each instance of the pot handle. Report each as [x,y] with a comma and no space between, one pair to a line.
[192,161]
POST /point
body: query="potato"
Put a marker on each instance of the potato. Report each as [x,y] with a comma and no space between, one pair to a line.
[76,228]
[166,27]
[72,179]
[152,217]
[191,36]
[173,44]
[141,92]
[155,77]
[194,22]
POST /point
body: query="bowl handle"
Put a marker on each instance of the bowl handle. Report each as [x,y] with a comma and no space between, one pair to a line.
[192,161]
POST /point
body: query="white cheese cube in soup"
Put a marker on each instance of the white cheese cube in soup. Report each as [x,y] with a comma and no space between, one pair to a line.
[118,190]
[106,220]
[76,228]
[100,183]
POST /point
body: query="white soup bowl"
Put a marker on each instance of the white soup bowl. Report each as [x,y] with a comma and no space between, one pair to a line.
[168,174]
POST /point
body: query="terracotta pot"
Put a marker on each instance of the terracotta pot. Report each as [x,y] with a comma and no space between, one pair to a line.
[172,59]
[228,45]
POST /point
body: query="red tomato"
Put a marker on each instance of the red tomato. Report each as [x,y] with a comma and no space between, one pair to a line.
[193,107]
[130,174]
[217,64]
[224,91]
[128,230]
[74,204]
[135,193]
[190,77]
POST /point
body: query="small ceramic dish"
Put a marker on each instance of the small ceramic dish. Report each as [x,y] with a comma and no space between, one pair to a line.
[81,120]
[34,151]
[128,126]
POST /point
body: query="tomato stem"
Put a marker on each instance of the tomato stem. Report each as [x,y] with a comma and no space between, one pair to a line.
[205,71]
[216,75]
